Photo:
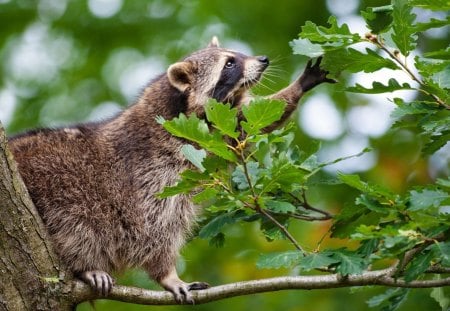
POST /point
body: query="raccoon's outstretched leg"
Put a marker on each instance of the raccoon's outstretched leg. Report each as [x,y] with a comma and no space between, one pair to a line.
[312,76]
[181,290]
[100,281]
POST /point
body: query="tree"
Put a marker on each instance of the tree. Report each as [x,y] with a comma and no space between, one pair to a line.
[407,234]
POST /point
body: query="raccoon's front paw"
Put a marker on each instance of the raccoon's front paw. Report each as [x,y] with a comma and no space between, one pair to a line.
[181,290]
[100,281]
[314,75]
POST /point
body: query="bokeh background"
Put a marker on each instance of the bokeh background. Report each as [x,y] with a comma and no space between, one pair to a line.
[74,61]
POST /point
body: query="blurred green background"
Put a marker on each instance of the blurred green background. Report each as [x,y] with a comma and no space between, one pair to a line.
[73,61]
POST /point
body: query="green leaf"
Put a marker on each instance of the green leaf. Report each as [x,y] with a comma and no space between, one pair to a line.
[196,130]
[418,265]
[354,61]
[438,294]
[371,204]
[368,247]
[433,23]
[260,114]
[306,47]
[442,78]
[283,174]
[438,5]
[271,231]
[378,19]
[194,156]
[378,87]
[188,182]
[426,198]
[280,207]
[353,181]
[240,178]
[444,182]
[429,66]
[278,260]
[215,226]
[406,109]
[317,260]
[182,186]
[218,240]
[443,249]
[223,117]
[334,33]
[390,300]
[440,54]
[349,262]
[205,195]
[403,26]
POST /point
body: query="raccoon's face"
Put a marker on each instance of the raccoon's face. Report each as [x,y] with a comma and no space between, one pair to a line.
[218,73]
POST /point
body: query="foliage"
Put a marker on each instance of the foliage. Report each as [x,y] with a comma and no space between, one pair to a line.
[249,175]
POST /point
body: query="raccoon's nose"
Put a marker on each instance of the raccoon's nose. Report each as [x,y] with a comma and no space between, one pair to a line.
[264,59]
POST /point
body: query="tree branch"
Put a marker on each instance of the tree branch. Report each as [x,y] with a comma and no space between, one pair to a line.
[82,292]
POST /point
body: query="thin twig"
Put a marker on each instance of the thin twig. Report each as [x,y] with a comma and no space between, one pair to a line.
[282,228]
[403,65]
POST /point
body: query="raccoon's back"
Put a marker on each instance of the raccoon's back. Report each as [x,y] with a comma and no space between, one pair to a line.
[66,174]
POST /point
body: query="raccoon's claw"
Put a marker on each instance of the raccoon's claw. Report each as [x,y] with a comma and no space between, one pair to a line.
[181,290]
[100,281]
[314,75]
[198,285]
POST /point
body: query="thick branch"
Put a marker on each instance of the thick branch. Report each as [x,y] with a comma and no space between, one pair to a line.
[149,297]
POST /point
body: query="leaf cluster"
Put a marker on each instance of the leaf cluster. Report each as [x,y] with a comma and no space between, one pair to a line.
[242,173]
[394,24]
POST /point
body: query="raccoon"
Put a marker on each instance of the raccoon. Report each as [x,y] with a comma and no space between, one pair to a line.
[94,184]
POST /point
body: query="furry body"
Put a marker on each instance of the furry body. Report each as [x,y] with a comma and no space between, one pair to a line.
[94,184]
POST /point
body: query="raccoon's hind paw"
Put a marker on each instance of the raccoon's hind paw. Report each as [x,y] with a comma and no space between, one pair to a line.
[100,281]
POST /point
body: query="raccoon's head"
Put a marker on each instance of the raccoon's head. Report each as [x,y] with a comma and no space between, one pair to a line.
[218,73]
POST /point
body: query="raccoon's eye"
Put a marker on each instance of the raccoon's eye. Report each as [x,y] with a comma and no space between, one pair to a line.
[230,63]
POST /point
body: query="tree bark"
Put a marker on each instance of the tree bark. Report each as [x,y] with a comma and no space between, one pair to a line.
[30,272]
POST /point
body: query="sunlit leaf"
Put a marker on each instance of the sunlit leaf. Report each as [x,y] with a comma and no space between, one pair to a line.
[260,114]
[334,33]
[306,47]
[223,117]
[378,87]
[194,156]
[354,61]
[240,175]
[196,130]
[438,5]
[404,32]
[438,294]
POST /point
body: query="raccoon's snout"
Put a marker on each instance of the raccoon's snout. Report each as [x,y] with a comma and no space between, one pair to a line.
[264,60]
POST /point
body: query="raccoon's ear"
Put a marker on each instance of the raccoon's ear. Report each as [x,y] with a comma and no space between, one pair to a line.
[214,43]
[180,74]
